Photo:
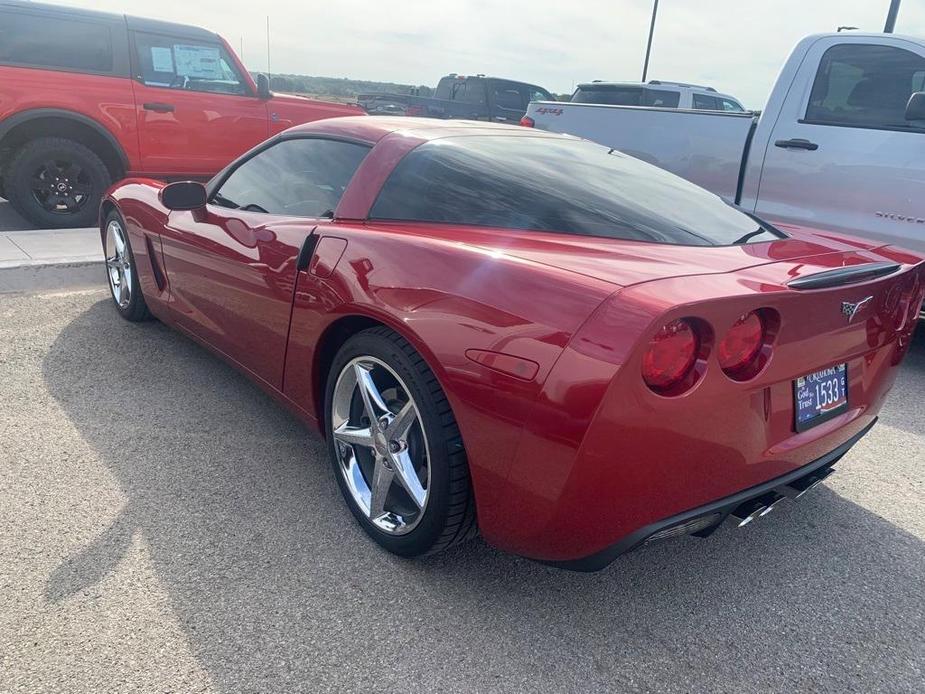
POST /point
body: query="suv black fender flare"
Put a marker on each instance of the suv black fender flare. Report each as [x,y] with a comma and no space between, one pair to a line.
[9,124]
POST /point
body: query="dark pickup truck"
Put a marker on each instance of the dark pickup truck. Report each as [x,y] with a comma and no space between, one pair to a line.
[474,97]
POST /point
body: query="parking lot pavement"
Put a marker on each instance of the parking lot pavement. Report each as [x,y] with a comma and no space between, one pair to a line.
[166,527]
[10,219]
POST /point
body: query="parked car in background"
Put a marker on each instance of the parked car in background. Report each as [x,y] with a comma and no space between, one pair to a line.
[87,98]
[474,97]
[839,145]
[655,93]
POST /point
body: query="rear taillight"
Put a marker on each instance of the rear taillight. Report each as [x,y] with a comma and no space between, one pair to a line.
[412,111]
[527,122]
[741,345]
[670,356]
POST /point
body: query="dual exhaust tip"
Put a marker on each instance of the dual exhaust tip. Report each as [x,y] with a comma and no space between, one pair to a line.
[746,512]
[763,505]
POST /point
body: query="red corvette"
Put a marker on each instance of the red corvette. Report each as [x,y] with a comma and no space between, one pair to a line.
[520,332]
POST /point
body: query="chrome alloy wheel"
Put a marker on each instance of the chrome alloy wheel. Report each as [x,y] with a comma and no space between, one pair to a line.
[118,264]
[380,445]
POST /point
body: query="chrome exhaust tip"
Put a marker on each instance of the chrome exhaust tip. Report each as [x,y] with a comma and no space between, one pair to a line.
[756,508]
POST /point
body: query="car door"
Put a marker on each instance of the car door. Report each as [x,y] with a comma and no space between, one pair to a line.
[232,265]
[195,109]
[841,154]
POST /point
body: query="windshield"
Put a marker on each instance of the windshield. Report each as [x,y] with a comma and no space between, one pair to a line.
[562,185]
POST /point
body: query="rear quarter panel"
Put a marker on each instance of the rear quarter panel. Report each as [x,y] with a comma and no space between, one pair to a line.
[445,297]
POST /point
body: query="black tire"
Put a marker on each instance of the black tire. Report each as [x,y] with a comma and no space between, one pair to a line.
[135,310]
[449,517]
[29,178]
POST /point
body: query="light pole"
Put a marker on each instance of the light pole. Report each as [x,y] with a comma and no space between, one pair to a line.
[891,17]
[645,66]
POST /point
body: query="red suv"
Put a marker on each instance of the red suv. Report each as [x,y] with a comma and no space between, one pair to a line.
[87,98]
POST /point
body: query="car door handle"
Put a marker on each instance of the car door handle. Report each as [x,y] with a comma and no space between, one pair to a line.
[797,143]
[159,107]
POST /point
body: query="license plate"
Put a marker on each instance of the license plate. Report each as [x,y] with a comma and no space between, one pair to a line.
[819,396]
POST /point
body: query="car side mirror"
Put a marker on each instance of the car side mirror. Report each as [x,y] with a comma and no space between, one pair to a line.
[263,87]
[915,108]
[183,195]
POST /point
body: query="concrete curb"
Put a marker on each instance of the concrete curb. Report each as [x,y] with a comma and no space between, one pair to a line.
[50,275]
[49,259]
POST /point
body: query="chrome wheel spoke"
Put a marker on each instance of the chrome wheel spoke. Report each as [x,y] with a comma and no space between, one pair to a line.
[372,399]
[379,488]
[354,436]
[398,427]
[407,476]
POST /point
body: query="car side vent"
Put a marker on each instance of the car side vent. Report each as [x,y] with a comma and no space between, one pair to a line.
[155,265]
[844,275]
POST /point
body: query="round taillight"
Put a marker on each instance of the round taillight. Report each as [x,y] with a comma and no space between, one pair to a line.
[670,356]
[742,343]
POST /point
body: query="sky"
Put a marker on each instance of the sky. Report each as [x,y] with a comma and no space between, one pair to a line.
[735,46]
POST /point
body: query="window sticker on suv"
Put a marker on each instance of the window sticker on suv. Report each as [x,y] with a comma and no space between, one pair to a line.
[200,62]
[161,59]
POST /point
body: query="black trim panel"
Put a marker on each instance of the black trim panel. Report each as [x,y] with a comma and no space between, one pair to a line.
[602,559]
[307,251]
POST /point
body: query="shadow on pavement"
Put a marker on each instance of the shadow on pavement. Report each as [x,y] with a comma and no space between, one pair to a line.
[10,220]
[276,586]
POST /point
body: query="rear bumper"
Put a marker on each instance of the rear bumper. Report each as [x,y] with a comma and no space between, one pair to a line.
[704,519]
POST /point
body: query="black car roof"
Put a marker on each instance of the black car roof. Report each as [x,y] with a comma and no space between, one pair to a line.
[136,23]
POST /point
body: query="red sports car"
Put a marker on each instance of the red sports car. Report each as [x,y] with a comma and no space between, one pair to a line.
[525,333]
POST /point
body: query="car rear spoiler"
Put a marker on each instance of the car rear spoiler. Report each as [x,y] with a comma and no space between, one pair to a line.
[844,275]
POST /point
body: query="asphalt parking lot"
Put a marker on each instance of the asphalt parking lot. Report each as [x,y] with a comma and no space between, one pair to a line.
[166,527]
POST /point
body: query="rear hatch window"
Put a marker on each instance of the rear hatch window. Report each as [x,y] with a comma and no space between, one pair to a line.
[559,185]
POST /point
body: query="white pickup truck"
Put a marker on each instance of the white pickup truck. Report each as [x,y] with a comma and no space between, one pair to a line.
[840,144]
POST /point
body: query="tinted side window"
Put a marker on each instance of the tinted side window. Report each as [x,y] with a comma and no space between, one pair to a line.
[662,98]
[610,95]
[730,105]
[48,41]
[507,97]
[558,185]
[303,178]
[706,103]
[534,94]
[179,63]
[865,86]
[469,91]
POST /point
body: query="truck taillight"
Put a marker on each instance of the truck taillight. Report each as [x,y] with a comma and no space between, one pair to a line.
[527,122]
[414,111]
